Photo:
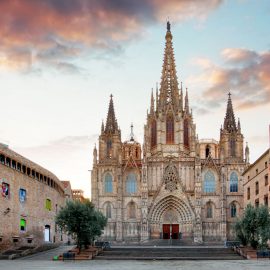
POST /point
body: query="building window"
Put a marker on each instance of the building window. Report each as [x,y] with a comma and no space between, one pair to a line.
[209,210]
[232,147]
[266,179]
[48,204]
[5,190]
[2,159]
[233,210]
[257,171]
[209,182]
[257,188]
[22,195]
[169,129]
[186,134]
[109,148]
[248,193]
[23,225]
[257,202]
[108,183]
[207,151]
[266,200]
[154,133]
[108,210]
[131,183]
[131,210]
[265,164]
[233,182]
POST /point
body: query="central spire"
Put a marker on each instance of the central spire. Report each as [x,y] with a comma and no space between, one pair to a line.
[169,92]
[111,123]
[229,121]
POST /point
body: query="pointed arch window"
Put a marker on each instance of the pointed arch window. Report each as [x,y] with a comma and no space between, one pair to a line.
[132,210]
[109,148]
[131,186]
[207,151]
[153,133]
[233,210]
[209,182]
[108,210]
[108,183]
[186,134]
[233,182]
[209,210]
[169,129]
[232,147]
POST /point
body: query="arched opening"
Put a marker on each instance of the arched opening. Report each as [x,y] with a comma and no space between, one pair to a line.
[232,147]
[109,148]
[131,185]
[169,130]
[233,210]
[47,233]
[209,210]
[131,210]
[108,210]
[207,151]
[108,183]
[233,182]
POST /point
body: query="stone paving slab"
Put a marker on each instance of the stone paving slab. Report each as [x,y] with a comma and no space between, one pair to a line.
[135,265]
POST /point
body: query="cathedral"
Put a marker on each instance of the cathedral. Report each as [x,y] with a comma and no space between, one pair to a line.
[174,185]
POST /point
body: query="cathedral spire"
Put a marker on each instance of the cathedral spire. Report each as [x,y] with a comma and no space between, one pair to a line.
[229,121]
[186,102]
[152,109]
[169,91]
[111,123]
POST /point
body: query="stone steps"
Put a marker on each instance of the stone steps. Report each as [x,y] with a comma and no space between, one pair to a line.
[129,253]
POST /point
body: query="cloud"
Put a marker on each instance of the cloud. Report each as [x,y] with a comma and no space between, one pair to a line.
[34,32]
[245,73]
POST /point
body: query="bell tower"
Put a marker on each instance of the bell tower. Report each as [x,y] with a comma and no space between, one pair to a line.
[231,138]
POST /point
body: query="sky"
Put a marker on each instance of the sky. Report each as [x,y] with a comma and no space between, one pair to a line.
[61,60]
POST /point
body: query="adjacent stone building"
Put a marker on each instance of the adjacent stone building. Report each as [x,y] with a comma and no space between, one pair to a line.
[175,185]
[256,182]
[29,201]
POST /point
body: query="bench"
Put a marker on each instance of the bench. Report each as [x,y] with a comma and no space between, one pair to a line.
[262,254]
[68,256]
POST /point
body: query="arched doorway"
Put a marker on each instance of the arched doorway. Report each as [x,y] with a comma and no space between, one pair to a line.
[47,233]
[170,217]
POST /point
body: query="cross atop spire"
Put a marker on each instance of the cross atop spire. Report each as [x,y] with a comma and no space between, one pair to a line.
[111,123]
[131,133]
[229,121]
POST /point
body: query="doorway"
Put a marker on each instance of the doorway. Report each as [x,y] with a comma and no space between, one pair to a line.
[166,231]
[47,233]
[175,231]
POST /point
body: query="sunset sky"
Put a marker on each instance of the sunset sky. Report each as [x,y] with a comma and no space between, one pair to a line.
[61,59]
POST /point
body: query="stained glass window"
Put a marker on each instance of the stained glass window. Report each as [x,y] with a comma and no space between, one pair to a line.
[108,183]
[131,183]
[233,182]
[169,130]
[209,182]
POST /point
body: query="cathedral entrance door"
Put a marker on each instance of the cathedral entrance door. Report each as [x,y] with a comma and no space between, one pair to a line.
[175,231]
[166,231]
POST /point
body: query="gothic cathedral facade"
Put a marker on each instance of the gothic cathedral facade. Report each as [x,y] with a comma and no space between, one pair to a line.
[175,185]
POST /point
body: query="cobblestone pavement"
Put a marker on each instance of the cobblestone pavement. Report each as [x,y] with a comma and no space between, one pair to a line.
[136,265]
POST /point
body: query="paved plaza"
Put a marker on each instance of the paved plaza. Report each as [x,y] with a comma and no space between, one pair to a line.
[136,265]
[43,260]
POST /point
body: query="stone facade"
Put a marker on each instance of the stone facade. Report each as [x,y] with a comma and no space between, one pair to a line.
[30,198]
[175,185]
[256,181]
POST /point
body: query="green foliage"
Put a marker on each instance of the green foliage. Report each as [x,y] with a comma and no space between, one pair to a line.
[82,221]
[254,227]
